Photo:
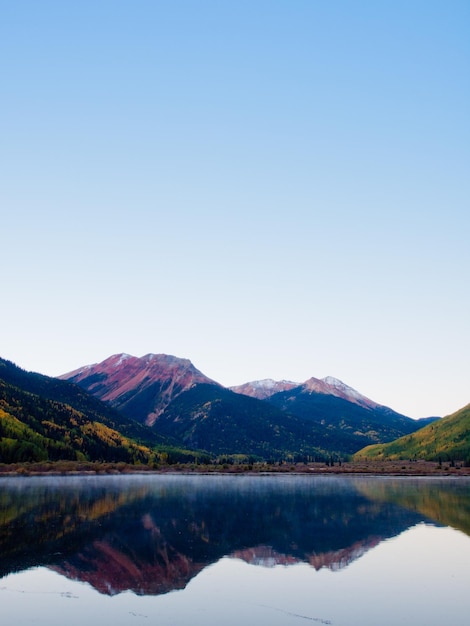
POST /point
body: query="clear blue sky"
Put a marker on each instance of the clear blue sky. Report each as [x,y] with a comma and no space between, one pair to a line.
[268,188]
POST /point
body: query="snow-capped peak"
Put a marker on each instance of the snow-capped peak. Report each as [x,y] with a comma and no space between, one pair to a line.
[122,357]
[346,390]
[269,383]
[265,388]
[338,384]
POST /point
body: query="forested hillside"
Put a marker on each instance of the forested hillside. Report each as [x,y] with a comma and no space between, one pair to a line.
[38,424]
[445,440]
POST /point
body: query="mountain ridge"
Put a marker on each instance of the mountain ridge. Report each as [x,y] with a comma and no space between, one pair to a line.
[265,388]
[129,377]
[160,406]
[179,401]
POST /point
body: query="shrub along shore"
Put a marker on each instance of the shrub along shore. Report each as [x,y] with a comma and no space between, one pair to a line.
[381,468]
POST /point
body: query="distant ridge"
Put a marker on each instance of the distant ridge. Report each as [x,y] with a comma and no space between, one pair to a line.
[264,389]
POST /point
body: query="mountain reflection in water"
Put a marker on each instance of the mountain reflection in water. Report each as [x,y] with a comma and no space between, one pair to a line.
[152,534]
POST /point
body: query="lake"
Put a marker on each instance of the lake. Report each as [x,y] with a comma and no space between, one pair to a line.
[227,550]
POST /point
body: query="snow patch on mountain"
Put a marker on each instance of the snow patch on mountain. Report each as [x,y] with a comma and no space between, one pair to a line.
[265,388]
[347,392]
[122,357]
[269,383]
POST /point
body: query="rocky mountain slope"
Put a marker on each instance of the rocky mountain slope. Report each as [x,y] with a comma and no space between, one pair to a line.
[142,387]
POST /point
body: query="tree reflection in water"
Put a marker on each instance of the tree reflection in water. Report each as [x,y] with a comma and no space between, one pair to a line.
[152,534]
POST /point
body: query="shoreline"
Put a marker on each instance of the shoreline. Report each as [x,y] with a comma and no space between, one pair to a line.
[350,468]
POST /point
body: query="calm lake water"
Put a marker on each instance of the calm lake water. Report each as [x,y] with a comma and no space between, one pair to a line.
[211,550]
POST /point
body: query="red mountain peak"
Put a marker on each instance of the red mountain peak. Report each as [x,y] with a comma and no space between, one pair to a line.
[149,382]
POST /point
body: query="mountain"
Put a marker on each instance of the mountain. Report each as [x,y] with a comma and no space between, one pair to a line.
[212,418]
[42,418]
[126,407]
[140,388]
[350,418]
[263,389]
[264,418]
[446,439]
[334,387]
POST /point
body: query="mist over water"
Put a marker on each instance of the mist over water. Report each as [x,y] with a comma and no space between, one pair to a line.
[232,549]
